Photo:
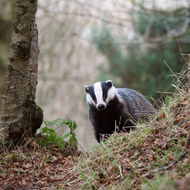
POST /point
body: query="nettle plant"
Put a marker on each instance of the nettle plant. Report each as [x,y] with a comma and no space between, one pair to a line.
[49,136]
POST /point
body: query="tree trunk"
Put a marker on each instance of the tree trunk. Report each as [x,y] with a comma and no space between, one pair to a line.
[19,114]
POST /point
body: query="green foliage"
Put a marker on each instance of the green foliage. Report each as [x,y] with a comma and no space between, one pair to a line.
[158,22]
[143,66]
[159,183]
[50,138]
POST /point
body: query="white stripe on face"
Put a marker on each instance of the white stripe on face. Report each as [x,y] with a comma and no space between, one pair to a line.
[111,94]
[90,100]
[98,93]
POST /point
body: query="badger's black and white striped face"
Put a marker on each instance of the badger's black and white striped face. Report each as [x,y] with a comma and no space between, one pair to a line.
[100,94]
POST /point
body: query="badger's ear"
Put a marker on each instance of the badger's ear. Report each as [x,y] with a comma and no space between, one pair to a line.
[86,88]
[109,83]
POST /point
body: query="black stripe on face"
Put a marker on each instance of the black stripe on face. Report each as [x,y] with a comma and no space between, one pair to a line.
[92,94]
[105,89]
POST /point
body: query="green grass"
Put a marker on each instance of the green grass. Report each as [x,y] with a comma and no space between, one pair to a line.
[144,158]
[159,183]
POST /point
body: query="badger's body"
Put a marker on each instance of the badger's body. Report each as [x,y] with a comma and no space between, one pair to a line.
[112,109]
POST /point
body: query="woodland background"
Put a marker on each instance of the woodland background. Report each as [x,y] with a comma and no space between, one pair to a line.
[137,44]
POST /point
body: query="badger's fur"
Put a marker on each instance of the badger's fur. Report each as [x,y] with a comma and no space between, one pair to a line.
[113,108]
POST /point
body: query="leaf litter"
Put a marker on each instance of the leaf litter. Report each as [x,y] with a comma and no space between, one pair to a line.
[124,161]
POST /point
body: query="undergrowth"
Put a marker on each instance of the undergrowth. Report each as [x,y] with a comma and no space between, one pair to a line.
[50,138]
[153,157]
[160,182]
[40,162]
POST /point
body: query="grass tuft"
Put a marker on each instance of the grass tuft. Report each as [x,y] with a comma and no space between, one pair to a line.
[146,158]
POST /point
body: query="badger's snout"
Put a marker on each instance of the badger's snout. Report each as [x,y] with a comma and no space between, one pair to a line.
[101,107]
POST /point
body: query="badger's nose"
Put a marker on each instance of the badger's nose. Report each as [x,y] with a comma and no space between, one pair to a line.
[101,106]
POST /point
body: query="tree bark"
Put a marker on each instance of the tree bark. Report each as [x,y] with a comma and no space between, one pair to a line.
[19,114]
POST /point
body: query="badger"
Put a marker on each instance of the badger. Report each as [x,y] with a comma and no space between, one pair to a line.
[113,109]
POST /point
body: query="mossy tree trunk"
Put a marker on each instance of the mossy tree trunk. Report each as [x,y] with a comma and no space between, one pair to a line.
[19,114]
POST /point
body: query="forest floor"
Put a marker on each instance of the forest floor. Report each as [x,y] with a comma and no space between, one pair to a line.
[33,167]
[156,156]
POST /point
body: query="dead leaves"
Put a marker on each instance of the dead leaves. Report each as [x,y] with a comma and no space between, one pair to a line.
[41,169]
[159,146]
[162,145]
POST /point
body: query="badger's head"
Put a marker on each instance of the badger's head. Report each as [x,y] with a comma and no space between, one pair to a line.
[100,94]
